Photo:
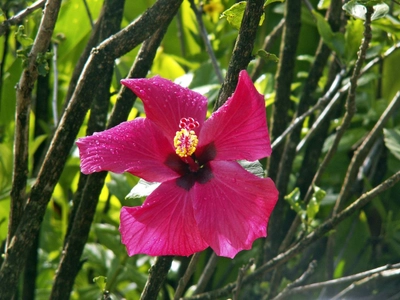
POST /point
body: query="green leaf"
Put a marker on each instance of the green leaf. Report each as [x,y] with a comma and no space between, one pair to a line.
[334,40]
[166,66]
[101,282]
[358,9]
[319,194]
[6,167]
[22,38]
[392,141]
[266,56]
[119,186]
[314,204]
[294,200]
[142,189]
[353,37]
[234,14]
[109,236]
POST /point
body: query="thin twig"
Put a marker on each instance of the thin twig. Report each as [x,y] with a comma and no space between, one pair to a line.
[20,16]
[345,279]
[357,158]
[185,278]
[350,87]
[367,280]
[350,104]
[320,104]
[343,90]
[55,84]
[204,35]
[88,13]
[268,43]
[350,112]
[287,291]
[362,151]
[207,273]
[181,37]
[241,274]
[305,242]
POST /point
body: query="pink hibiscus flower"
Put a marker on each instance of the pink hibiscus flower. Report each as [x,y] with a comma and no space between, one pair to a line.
[205,198]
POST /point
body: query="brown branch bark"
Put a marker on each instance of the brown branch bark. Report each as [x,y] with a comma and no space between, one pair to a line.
[158,273]
[333,282]
[280,116]
[69,266]
[242,51]
[23,100]
[5,25]
[207,274]
[188,274]
[284,77]
[362,151]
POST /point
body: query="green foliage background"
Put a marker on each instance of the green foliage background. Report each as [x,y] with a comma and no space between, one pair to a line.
[368,239]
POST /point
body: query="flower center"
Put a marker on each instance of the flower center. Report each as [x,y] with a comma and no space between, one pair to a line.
[185,140]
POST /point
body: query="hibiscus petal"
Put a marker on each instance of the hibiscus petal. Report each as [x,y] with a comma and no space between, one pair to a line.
[238,129]
[163,225]
[166,103]
[137,147]
[233,208]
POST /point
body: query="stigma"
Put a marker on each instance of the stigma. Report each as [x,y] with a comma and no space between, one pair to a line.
[185,140]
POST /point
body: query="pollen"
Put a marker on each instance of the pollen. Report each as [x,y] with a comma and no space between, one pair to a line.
[185,140]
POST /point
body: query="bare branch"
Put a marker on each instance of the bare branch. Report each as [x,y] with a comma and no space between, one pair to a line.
[320,104]
[345,279]
[386,273]
[207,43]
[268,43]
[207,273]
[20,16]
[287,291]
[242,52]
[158,273]
[185,278]
[88,13]
[343,90]
[362,151]
[90,186]
[55,84]
[24,99]
[241,274]
[350,104]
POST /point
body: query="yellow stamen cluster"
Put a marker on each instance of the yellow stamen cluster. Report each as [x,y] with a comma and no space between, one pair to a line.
[185,142]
